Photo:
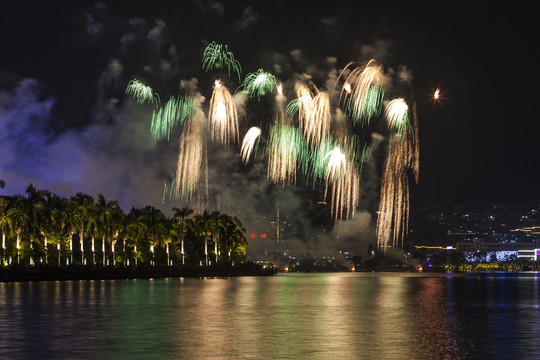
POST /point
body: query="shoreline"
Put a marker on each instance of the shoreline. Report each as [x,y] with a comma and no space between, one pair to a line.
[120,273]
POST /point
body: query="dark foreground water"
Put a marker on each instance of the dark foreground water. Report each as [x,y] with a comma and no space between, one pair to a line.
[288,316]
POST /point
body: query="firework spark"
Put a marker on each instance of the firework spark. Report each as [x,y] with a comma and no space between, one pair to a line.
[302,104]
[393,214]
[259,83]
[436,94]
[143,93]
[287,148]
[190,160]
[176,110]
[223,117]
[279,89]
[280,99]
[314,114]
[218,56]
[341,174]
[396,115]
[248,144]
[363,93]
[317,123]
[336,163]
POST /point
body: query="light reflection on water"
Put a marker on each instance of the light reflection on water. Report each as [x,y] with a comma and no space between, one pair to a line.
[288,316]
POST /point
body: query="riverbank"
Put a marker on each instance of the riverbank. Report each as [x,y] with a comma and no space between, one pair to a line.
[110,273]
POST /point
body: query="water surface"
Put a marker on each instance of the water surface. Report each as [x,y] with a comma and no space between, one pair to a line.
[288,316]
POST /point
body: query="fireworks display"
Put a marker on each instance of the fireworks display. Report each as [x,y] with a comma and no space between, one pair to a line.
[223,117]
[344,182]
[303,140]
[363,93]
[286,150]
[143,93]
[163,120]
[189,169]
[217,56]
[259,83]
[248,144]
[396,115]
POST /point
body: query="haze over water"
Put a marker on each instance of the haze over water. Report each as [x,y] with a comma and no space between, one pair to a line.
[288,316]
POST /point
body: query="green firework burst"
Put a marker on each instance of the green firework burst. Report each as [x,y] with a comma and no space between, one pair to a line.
[217,56]
[259,83]
[143,93]
[165,119]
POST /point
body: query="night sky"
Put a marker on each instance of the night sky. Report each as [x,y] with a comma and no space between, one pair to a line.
[66,125]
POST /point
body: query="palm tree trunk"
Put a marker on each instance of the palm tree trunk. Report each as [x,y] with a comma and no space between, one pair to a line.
[215,249]
[70,248]
[82,244]
[168,262]
[32,251]
[182,251]
[103,250]
[112,252]
[206,249]
[18,245]
[45,243]
[58,247]
[93,250]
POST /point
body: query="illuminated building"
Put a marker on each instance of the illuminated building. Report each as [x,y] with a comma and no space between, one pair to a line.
[479,245]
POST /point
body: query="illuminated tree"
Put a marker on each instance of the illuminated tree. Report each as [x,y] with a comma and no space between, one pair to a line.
[6,224]
[180,226]
[82,203]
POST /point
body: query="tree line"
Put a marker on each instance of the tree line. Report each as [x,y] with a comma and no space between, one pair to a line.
[43,228]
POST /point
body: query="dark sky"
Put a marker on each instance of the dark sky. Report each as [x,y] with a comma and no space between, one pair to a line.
[67,125]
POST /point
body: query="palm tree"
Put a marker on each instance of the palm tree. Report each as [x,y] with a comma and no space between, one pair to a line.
[181,225]
[156,228]
[71,222]
[134,230]
[168,239]
[39,215]
[116,231]
[83,204]
[54,229]
[93,228]
[19,220]
[108,215]
[204,228]
[217,224]
[6,224]
[234,239]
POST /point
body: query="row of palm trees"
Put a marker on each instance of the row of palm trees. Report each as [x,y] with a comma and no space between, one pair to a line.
[45,228]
